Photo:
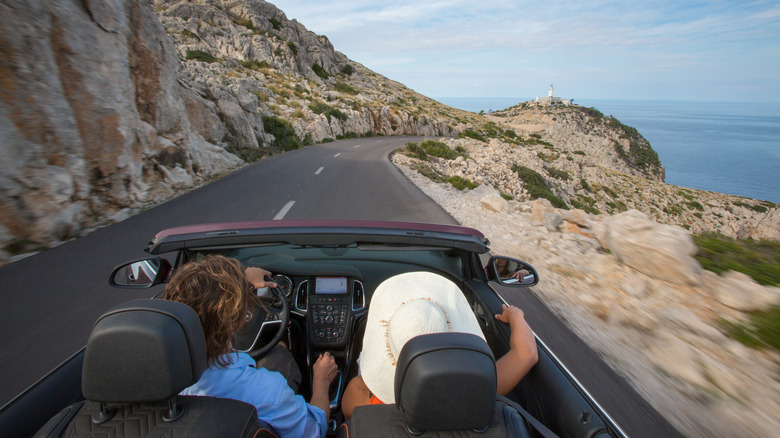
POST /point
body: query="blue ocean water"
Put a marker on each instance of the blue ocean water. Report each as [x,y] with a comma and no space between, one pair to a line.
[717,146]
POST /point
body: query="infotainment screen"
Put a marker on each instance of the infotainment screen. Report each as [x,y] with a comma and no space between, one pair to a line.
[330,285]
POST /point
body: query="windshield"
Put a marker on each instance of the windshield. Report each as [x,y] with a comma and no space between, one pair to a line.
[362,259]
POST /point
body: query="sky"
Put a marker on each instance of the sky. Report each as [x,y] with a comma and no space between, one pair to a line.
[600,49]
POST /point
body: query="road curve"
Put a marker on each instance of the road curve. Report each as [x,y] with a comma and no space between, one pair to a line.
[49,301]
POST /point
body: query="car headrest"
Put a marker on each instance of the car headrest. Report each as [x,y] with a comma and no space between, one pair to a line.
[143,350]
[446,381]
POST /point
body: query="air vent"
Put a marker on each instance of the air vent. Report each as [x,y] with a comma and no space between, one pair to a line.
[302,296]
[358,296]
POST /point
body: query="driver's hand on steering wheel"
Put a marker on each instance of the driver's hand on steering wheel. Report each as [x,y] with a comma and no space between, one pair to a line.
[256,276]
[325,369]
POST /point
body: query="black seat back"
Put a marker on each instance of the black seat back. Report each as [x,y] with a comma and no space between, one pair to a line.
[445,385]
[146,350]
[140,355]
[446,381]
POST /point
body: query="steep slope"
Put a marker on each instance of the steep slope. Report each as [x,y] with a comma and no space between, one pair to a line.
[247,56]
[102,114]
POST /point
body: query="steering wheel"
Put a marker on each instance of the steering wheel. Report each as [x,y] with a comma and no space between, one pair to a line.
[277,311]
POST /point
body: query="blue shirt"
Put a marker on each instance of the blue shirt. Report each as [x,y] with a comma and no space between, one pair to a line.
[276,403]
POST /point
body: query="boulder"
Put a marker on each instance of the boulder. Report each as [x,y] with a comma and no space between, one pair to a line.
[740,292]
[659,251]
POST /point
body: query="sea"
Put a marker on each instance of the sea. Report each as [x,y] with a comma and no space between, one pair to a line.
[726,147]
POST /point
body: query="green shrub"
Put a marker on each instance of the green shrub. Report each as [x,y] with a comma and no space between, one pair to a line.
[756,208]
[547,158]
[472,134]
[327,140]
[536,186]
[609,191]
[592,112]
[414,150]
[343,87]
[760,259]
[347,69]
[293,47]
[439,149]
[579,153]
[585,185]
[283,131]
[462,183]
[762,330]
[319,71]
[430,173]
[319,107]
[559,174]
[506,196]
[275,23]
[200,55]
[585,203]
[695,205]
[245,22]
[685,195]
[254,64]
[617,206]
[348,134]
[335,113]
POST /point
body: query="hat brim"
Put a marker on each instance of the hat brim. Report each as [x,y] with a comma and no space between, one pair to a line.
[377,364]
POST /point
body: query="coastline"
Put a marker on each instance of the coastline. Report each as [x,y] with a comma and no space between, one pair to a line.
[721,147]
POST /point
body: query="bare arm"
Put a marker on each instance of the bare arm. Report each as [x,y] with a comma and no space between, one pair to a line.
[324,371]
[522,354]
[356,394]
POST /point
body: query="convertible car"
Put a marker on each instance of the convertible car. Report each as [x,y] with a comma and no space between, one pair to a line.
[144,352]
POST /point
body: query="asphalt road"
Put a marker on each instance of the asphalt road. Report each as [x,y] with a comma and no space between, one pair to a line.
[49,301]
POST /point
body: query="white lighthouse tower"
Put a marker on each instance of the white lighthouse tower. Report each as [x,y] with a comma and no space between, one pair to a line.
[550,94]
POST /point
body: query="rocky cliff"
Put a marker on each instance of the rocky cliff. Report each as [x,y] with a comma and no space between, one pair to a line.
[105,110]
[577,158]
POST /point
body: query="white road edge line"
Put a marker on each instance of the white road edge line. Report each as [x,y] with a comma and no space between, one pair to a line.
[279,216]
[318,171]
[337,155]
[357,146]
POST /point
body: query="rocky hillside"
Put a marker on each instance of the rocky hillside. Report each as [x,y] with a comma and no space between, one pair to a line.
[631,288]
[105,110]
[577,158]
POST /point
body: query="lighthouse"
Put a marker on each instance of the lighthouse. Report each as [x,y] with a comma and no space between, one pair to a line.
[550,94]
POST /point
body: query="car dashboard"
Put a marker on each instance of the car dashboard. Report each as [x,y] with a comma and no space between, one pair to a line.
[328,291]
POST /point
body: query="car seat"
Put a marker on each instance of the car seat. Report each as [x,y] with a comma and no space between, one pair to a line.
[138,358]
[445,385]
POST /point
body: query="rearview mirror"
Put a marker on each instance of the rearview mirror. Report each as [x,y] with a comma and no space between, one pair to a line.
[511,272]
[140,274]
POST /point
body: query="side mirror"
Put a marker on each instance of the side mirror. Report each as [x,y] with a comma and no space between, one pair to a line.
[141,274]
[511,272]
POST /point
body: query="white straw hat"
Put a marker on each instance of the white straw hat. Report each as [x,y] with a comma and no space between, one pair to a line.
[402,307]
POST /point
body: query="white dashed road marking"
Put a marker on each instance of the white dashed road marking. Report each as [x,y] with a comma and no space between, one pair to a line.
[318,171]
[279,216]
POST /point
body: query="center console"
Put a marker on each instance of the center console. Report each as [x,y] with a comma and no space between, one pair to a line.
[329,304]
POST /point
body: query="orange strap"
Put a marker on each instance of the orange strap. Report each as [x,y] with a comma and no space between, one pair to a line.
[373,400]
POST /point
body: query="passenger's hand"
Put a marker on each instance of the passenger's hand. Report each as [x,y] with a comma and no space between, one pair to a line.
[522,354]
[521,340]
[256,276]
[325,368]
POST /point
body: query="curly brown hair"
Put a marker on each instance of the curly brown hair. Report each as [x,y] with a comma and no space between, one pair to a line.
[217,289]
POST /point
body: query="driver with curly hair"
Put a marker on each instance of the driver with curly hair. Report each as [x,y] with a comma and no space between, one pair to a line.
[221,292]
